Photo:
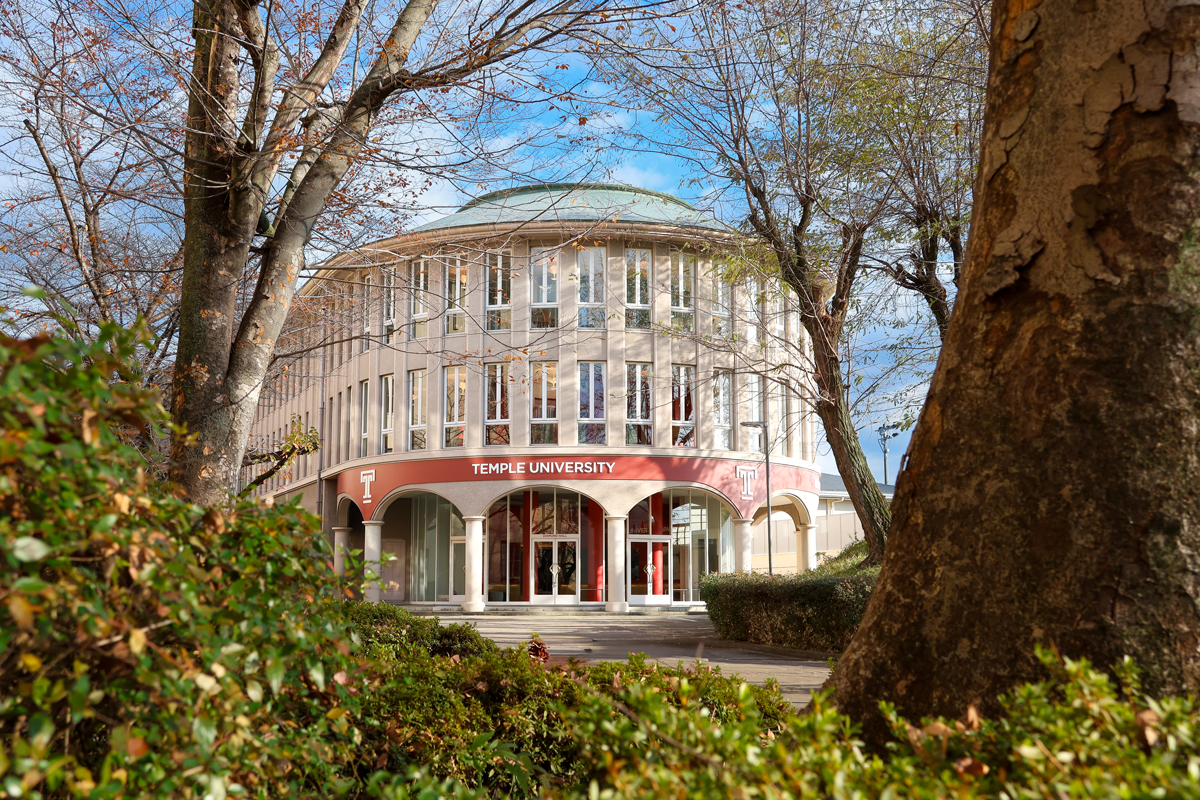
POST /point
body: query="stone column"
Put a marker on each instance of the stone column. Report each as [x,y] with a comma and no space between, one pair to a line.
[615,566]
[372,551]
[474,566]
[810,545]
[341,543]
[743,546]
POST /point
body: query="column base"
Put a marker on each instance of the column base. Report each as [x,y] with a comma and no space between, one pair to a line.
[473,606]
[621,608]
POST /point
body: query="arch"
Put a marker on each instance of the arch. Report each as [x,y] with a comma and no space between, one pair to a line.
[698,523]
[343,515]
[385,502]
[488,505]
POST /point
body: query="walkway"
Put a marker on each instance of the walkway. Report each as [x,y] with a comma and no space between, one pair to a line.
[669,638]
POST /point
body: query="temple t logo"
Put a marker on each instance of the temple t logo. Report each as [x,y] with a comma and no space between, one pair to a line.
[366,476]
[747,474]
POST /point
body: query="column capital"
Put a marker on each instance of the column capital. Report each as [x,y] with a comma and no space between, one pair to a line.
[744,520]
[374,522]
[481,516]
[616,516]
[341,529]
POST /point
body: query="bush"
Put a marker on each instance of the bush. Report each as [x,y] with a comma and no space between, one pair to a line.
[389,632]
[816,610]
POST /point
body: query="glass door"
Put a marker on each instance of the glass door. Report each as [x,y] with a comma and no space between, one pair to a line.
[650,568]
[555,571]
[458,570]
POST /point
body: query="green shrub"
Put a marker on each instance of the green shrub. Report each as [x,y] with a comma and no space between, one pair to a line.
[390,632]
[817,610]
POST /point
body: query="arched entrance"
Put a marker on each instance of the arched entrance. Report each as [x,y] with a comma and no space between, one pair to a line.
[545,546]
[423,550]
[675,537]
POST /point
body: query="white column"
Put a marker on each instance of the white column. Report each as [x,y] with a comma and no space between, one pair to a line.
[372,551]
[743,545]
[474,566]
[341,543]
[615,565]
[810,544]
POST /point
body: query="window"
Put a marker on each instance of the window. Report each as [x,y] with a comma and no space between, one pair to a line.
[456,407]
[683,282]
[638,426]
[637,289]
[498,301]
[722,307]
[683,405]
[543,419]
[756,409]
[456,295]
[363,411]
[723,409]
[387,414]
[416,409]
[543,288]
[591,402]
[389,306]
[591,264]
[754,311]
[365,310]
[418,301]
[496,429]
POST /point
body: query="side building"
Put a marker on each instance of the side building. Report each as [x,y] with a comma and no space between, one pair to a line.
[539,399]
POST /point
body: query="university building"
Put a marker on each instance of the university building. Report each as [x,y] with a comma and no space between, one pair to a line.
[538,400]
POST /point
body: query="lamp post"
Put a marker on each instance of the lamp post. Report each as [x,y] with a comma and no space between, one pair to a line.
[767,452]
[887,432]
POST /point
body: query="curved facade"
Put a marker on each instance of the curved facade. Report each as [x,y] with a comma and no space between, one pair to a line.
[536,400]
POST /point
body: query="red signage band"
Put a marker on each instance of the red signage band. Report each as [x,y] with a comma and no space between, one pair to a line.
[743,483]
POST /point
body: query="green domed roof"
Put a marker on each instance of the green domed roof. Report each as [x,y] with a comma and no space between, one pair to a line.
[575,203]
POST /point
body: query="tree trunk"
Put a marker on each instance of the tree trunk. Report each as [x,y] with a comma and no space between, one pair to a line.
[834,410]
[1049,491]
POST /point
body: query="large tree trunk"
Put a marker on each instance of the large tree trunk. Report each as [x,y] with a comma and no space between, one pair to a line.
[1049,494]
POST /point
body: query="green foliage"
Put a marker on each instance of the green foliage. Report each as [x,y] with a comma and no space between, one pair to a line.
[151,648]
[816,610]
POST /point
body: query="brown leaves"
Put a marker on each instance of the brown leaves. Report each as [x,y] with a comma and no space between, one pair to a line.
[21,610]
[538,651]
[1147,720]
[970,766]
[136,747]
[90,424]
[213,522]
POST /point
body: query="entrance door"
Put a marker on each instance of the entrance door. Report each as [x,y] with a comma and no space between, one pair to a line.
[458,570]
[555,571]
[649,560]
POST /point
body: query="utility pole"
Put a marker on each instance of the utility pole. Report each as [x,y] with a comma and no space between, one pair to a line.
[886,433]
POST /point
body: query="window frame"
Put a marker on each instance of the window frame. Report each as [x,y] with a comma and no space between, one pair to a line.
[723,409]
[389,305]
[364,412]
[454,408]
[418,299]
[592,293]
[683,427]
[639,404]
[543,280]
[418,419]
[387,414]
[455,273]
[592,425]
[366,312]
[640,307]
[683,295]
[497,411]
[543,393]
[497,299]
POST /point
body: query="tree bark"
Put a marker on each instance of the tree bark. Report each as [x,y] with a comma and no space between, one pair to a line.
[1049,491]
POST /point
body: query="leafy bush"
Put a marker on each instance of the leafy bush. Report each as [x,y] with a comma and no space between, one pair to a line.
[816,610]
[151,648]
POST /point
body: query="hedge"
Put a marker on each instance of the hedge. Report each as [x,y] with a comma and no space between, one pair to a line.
[809,611]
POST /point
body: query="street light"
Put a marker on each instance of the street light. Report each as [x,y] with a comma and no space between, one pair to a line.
[887,432]
[767,451]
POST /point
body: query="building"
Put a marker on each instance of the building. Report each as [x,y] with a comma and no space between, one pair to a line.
[536,400]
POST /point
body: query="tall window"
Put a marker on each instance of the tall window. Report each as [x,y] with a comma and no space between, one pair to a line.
[363,411]
[543,288]
[722,409]
[683,283]
[416,409]
[591,402]
[498,300]
[389,306]
[754,311]
[543,418]
[756,409]
[366,314]
[638,426]
[455,420]
[637,289]
[496,428]
[418,299]
[591,263]
[456,295]
[683,405]
[387,413]
[722,307]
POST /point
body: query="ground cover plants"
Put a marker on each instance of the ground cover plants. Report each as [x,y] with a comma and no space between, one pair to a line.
[817,610]
[150,647]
